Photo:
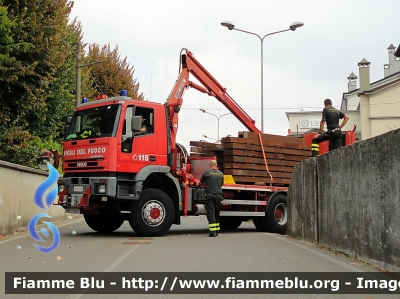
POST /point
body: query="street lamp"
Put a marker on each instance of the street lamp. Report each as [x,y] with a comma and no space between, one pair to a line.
[292,27]
[205,136]
[218,117]
[79,65]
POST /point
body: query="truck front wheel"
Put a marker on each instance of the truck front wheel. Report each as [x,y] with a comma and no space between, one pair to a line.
[153,214]
[105,222]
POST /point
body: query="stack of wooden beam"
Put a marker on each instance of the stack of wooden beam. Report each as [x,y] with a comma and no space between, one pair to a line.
[207,149]
[242,157]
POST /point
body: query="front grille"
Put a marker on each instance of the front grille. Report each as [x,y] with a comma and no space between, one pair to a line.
[123,190]
[83,164]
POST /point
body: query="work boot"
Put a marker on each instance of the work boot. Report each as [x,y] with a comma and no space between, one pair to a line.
[213,234]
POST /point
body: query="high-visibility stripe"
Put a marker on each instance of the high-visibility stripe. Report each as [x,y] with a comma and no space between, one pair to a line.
[213,227]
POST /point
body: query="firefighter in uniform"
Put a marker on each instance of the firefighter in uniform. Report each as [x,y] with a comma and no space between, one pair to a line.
[213,180]
[331,116]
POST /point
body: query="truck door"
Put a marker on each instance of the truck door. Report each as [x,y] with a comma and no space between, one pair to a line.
[140,147]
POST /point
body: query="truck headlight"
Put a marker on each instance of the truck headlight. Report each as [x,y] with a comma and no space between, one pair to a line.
[61,188]
[101,188]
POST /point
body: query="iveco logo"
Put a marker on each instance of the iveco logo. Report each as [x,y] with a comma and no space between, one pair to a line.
[81,164]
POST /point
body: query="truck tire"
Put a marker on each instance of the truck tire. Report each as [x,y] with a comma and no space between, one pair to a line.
[229,222]
[261,224]
[277,214]
[153,214]
[105,222]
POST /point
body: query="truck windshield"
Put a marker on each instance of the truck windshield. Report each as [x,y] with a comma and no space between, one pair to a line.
[94,122]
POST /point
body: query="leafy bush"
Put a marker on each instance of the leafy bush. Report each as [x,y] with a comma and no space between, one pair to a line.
[22,148]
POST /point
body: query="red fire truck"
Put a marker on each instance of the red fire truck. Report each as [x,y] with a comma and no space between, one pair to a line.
[121,162]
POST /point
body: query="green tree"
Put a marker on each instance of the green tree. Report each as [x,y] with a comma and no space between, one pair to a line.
[6,41]
[112,74]
[35,61]
[62,99]
[6,46]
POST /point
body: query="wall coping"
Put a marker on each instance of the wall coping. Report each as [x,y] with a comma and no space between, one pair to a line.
[22,168]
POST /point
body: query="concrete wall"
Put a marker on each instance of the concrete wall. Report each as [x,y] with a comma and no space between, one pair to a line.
[349,200]
[17,187]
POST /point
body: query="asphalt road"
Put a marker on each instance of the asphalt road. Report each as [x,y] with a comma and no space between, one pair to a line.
[186,248]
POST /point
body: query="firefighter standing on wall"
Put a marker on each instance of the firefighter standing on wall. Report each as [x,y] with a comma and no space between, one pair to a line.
[213,180]
[331,116]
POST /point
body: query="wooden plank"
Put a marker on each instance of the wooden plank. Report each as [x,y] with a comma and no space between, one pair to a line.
[199,143]
[257,173]
[278,144]
[252,166]
[208,145]
[270,137]
[234,152]
[252,147]
[259,161]
[214,153]
[195,149]
[196,155]
[256,180]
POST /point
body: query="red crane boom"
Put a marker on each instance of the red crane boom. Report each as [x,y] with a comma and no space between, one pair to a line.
[190,65]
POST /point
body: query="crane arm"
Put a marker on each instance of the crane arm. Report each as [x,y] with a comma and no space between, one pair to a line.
[190,65]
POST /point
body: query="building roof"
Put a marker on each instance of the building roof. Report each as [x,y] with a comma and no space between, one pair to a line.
[352,76]
[397,53]
[375,86]
[364,61]
[381,87]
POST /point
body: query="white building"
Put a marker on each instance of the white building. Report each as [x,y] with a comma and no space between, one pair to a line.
[374,107]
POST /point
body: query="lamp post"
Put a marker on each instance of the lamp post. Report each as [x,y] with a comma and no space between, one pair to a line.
[292,27]
[218,117]
[79,65]
[205,136]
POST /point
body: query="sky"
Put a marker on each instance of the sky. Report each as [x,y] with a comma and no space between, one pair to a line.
[301,68]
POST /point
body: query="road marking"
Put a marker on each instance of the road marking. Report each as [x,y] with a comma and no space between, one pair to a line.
[110,267]
[28,235]
[136,242]
[325,256]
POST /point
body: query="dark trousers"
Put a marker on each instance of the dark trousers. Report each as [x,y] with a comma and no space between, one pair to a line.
[335,138]
[213,206]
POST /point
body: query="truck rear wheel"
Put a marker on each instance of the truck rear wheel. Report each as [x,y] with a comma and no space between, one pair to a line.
[105,222]
[277,214]
[229,222]
[153,214]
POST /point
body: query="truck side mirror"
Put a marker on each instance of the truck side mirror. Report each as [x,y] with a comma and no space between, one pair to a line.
[48,156]
[136,124]
[68,121]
